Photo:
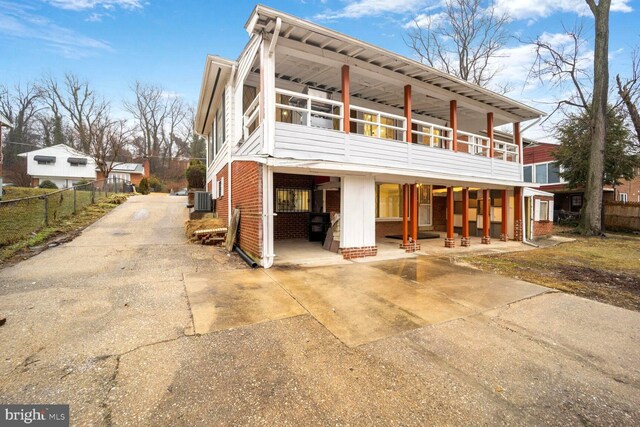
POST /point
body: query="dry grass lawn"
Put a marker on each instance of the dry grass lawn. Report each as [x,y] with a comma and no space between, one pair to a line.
[602,269]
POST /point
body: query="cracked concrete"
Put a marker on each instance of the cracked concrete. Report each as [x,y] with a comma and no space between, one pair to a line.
[104,323]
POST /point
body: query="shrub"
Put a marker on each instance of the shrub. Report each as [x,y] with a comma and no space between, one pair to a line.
[144,186]
[48,184]
[83,181]
[196,174]
[155,184]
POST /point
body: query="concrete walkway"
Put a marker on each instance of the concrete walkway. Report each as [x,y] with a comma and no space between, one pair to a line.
[104,323]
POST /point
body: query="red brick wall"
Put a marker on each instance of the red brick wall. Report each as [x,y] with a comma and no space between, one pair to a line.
[291,225]
[222,203]
[136,178]
[632,188]
[333,201]
[385,228]
[539,153]
[246,182]
[365,251]
[542,228]
[440,213]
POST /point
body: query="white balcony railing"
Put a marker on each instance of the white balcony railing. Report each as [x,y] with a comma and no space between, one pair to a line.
[250,117]
[473,144]
[506,151]
[432,135]
[379,124]
[308,110]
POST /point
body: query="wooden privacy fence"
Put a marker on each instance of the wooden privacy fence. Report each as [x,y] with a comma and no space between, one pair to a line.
[622,216]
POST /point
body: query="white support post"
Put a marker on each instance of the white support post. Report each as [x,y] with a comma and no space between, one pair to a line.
[268,96]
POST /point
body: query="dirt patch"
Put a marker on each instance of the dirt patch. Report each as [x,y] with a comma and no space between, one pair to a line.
[608,279]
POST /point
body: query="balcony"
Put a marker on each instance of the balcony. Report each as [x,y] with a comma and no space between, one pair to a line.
[310,126]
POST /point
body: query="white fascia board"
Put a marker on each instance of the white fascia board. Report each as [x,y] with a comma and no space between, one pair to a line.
[337,168]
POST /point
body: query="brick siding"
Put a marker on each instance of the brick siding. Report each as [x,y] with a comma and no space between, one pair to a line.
[542,228]
[222,203]
[539,153]
[365,251]
[439,213]
[246,182]
[386,228]
[333,201]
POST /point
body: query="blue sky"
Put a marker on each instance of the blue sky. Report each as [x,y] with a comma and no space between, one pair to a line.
[112,43]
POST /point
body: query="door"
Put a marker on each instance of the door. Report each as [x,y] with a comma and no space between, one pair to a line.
[424,205]
[527,232]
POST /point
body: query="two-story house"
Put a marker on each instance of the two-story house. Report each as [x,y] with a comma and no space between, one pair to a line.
[59,164]
[311,120]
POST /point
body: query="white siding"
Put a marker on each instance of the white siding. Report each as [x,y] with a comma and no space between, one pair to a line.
[252,146]
[61,168]
[307,143]
[219,162]
[358,212]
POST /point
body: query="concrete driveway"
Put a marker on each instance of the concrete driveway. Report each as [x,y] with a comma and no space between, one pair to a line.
[133,326]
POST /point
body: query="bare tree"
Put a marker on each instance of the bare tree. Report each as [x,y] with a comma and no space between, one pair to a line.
[462,40]
[81,104]
[629,92]
[109,141]
[176,115]
[150,111]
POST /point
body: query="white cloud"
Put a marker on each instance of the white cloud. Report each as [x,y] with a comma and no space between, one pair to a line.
[92,4]
[425,20]
[365,8]
[530,9]
[20,21]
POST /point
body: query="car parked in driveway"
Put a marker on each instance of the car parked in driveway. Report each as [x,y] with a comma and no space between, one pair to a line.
[182,192]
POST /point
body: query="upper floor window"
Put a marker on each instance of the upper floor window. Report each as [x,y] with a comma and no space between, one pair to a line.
[45,160]
[220,126]
[542,173]
[624,197]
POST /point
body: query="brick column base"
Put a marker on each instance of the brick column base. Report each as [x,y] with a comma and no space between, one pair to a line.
[465,241]
[517,233]
[504,237]
[449,243]
[410,247]
[486,240]
[351,253]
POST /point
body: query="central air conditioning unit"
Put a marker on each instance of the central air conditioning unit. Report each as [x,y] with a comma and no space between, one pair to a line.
[203,202]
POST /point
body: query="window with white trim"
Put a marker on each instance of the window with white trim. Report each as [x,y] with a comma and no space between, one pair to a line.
[623,197]
[389,201]
[543,173]
[220,188]
[544,210]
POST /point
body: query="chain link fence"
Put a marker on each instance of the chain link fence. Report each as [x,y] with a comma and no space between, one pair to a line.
[21,217]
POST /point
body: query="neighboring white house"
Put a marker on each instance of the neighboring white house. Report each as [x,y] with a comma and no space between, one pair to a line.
[59,164]
[130,172]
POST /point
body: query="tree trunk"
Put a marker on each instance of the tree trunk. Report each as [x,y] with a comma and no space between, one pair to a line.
[591,221]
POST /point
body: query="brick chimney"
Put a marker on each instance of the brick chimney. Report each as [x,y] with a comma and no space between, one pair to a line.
[147,168]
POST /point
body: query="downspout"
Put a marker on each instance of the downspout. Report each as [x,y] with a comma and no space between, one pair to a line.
[229,148]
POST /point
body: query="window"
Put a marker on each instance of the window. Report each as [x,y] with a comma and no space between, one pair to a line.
[220,131]
[293,200]
[389,201]
[220,188]
[527,174]
[544,210]
[553,174]
[576,201]
[210,141]
[541,174]
[623,197]
[45,160]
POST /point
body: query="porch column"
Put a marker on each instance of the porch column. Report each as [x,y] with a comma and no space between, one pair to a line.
[505,205]
[465,241]
[407,112]
[405,214]
[518,140]
[453,124]
[346,105]
[414,212]
[486,218]
[449,241]
[358,217]
[517,213]
[490,133]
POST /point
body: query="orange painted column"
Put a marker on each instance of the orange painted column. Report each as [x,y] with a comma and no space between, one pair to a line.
[517,213]
[449,241]
[453,124]
[346,104]
[518,140]
[405,214]
[486,218]
[490,133]
[407,112]
[465,241]
[505,205]
[414,212]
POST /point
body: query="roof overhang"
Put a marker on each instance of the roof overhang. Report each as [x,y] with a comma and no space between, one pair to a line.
[4,121]
[217,71]
[359,53]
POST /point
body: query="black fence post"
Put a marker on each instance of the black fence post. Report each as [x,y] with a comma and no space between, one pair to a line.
[46,211]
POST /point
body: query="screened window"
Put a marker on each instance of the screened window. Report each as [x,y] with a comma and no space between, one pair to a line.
[389,201]
[528,177]
[293,200]
[541,174]
[544,210]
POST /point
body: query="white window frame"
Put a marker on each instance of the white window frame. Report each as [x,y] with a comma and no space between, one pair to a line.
[533,173]
[544,211]
[220,188]
[623,197]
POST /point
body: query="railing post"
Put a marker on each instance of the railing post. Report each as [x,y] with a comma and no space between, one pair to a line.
[346,107]
[517,140]
[490,132]
[407,113]
[453,119]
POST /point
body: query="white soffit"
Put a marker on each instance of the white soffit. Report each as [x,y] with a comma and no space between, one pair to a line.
[217,71]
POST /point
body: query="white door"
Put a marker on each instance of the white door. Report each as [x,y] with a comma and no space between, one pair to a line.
[424,206]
